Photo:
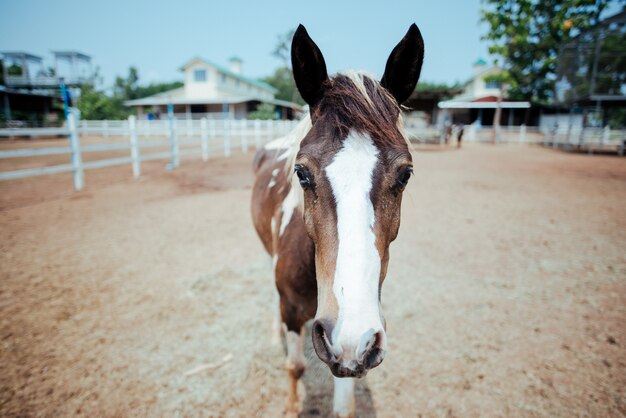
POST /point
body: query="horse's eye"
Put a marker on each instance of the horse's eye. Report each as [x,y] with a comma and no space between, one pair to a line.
[403,177]
[304,177]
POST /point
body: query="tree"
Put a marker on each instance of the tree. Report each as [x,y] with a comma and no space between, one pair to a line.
[282,80]
[96,104]
[264,111]
[127,87]
[14,69]
[527,35]
[282,51]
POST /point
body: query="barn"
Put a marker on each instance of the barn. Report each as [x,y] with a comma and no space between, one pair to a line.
[214,91]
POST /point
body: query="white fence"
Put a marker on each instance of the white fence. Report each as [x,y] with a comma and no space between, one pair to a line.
[172,138]
[180,137]
[586,139]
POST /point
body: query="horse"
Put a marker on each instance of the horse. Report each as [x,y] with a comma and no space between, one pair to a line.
[326,205]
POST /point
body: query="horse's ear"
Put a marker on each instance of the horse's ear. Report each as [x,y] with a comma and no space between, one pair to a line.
[309,67]
[404,65]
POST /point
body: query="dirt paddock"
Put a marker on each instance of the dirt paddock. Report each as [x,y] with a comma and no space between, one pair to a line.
[505,296]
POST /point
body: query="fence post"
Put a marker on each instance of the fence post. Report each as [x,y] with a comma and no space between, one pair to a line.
[555,143]
[226,137]
[606,133]
[134,146]
[173,141]
[270,130]
[212,130]
[257,133]
[522,133]
[204,138]
[77,163]
[105,128]
[244,135]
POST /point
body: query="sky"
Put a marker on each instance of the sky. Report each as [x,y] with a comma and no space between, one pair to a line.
[158,37]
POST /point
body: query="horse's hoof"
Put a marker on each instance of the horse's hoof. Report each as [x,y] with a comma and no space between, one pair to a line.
[293,409]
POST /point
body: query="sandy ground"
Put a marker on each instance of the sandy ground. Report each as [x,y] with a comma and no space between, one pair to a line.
[506,293]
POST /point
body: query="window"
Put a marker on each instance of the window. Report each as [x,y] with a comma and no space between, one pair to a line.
[492,84]
[199,75]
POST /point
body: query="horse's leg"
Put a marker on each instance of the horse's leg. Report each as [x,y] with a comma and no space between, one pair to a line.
[277,328]
[296,364]
[343,403]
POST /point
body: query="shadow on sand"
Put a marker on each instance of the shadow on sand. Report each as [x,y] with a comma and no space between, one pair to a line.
[318,383]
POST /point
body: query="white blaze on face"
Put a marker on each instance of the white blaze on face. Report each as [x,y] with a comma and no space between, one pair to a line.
[358,262]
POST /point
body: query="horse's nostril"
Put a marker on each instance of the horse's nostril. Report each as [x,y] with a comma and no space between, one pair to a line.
[372,350]
[322,331]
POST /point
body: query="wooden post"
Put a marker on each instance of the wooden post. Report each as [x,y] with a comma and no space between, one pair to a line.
[173,141]
[105,128]
[522,133]
[243,132]
[257,134]
[204,138]
[77,163]
[226,137]
[134,146]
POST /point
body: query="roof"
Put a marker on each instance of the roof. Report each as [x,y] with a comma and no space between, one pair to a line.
[482,73]
[454,104]
[39,93]
[228,72]
[70,54]
[20,54]
[176,96]
[235,58]
[480,61]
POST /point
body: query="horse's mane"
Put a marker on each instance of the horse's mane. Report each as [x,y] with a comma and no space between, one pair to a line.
[355,100]
[352,100]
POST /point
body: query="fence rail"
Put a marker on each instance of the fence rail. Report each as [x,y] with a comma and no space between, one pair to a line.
[146,140]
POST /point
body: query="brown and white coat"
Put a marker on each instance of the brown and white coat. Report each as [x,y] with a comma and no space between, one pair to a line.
[326,205]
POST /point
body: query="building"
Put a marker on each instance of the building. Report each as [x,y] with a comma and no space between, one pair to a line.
[215,91]
[480,98]
[29,89]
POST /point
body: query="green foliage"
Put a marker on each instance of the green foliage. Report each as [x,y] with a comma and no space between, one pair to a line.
[14,69]
[282,51]
[527,35]
[264,111]
[437,87]
[282,80]
[95,104]
[616,117]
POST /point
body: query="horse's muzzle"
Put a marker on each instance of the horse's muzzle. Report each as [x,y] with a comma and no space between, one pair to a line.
[348,362]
